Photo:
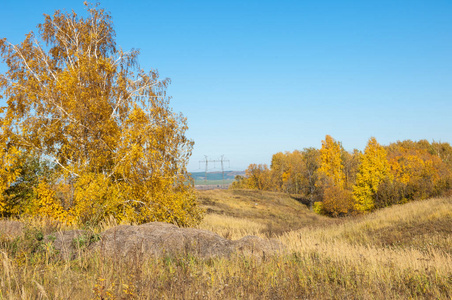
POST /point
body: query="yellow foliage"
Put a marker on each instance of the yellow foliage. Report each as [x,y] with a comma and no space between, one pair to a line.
[318,208]
[410,167]
[95,197]
[331,167]
[258,177]
[420,171]
[351,164]
[279,168]
[9,160]
[46,205]
[105,124]
[374,168]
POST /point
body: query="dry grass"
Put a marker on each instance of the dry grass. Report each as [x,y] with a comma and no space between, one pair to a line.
[232,227]
[232,212]
[400,252]
[415,238]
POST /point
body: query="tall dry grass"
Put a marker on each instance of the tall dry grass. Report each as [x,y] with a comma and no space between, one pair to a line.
[361,258]
[232,227]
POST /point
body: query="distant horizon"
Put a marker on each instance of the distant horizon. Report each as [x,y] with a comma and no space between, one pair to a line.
[216,171]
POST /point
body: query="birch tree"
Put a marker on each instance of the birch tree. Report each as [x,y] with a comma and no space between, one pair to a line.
[77,99]
[373,170]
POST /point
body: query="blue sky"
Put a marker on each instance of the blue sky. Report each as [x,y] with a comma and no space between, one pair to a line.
[258,77]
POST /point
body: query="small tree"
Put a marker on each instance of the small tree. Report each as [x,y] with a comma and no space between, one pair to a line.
[259,177]
[337,202]
[311,163]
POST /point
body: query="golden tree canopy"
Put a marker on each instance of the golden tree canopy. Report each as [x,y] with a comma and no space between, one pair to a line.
[374,168]
[331,161]
[75,98]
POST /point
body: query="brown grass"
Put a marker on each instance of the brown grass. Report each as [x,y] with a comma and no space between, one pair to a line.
[402,252]
[230,212]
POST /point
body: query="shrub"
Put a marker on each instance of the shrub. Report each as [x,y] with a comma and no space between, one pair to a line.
[318,208]
[337,201]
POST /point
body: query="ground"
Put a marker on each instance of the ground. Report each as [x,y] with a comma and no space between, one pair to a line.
[400,252]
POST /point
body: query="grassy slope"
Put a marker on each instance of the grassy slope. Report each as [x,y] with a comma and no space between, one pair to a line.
[234,213]
[421,225]
[401,252]
[268,213]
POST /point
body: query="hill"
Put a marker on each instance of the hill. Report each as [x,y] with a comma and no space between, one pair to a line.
[403,251]
[416,225]
[232,213]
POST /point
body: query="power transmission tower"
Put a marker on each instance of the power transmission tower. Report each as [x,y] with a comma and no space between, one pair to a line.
[206,161]
[207,167]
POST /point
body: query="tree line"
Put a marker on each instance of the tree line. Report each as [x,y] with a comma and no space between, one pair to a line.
[337,182]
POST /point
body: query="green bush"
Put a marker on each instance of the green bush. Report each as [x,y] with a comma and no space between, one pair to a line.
[318,208]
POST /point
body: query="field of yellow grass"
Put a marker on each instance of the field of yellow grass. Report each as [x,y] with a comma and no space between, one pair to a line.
[236,213]
[415,238]
[400,252]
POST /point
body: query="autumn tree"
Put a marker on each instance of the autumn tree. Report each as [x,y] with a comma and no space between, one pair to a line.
[287,171]
[259,177]
[443,151]
[331,169]
[76,99]
[335,182]
[309,174]
[20,195]
[351,162]
[374,168]
[9,160]
[420,169]
[279,167]
[332,183]
[240,182]
[337,202]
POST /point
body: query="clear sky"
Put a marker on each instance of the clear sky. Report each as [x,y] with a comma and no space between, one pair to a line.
[258,77]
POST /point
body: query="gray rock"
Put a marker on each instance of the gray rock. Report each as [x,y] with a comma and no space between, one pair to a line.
[9,229]
[68,243]
[160,239]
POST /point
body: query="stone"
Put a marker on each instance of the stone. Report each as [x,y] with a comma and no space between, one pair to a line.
[159,239]
[69,244]
[10,229]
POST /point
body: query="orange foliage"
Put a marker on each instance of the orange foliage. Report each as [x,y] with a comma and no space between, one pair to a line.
[326,179]
[338,201]
[422,173]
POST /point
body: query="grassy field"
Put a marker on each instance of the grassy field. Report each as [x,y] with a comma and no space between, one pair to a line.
[213,182]
[402,252]
[215,178]
[235,213]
